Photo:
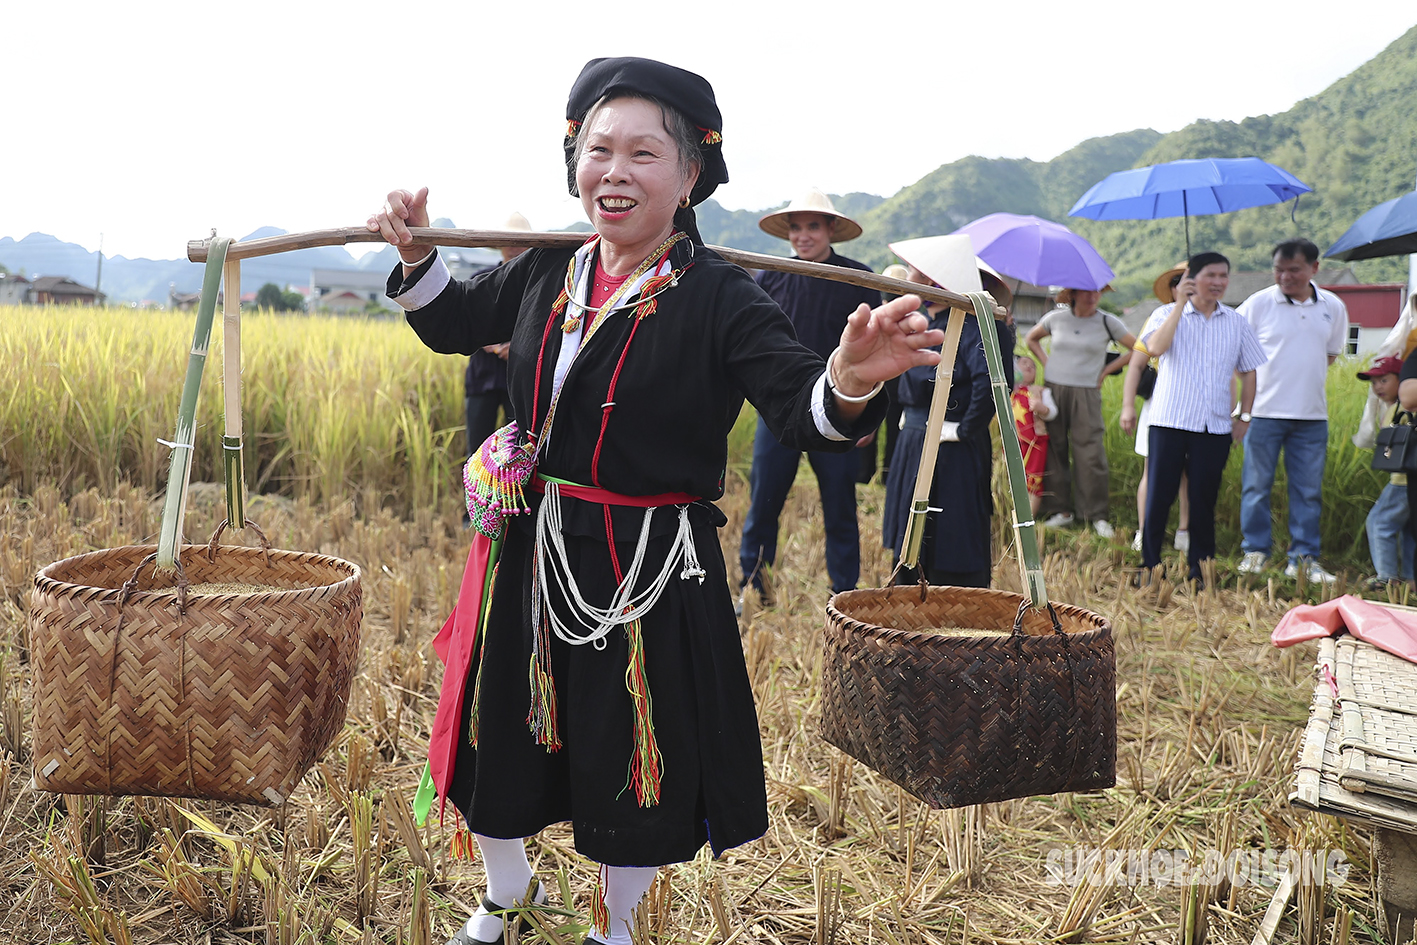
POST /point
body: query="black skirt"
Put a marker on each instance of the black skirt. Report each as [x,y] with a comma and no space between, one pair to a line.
[704,721]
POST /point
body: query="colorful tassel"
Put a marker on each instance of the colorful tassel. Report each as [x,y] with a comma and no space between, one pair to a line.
[648,292]
[711,136]
[643,776]
[462,846]
[573,127]
[558,307]
[541,717]
[599,911]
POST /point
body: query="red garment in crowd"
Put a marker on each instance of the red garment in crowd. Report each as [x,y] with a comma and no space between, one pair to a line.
[1031,440]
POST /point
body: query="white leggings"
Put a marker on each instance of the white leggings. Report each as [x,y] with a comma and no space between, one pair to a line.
[509,875]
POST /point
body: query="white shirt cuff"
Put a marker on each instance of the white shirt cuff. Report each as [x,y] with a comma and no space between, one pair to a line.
[425,290]
[819,410]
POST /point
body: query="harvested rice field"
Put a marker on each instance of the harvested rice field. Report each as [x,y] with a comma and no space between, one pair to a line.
[1209,718]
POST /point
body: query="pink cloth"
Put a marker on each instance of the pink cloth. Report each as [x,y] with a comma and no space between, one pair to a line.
[1394,631]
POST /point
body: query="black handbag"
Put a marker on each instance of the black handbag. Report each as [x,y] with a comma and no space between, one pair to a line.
[1146,384]
[1396,449]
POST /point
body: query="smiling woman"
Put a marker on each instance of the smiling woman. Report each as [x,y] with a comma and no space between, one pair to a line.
[635,164]
[636,351]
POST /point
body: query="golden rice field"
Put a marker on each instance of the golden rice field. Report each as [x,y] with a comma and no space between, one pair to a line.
[358,423]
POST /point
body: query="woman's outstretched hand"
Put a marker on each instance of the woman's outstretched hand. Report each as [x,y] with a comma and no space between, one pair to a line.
[402,210]
[882,343]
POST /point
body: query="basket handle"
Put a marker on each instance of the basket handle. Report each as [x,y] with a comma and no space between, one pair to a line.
[925,474]
[169,545]
[130,586]
[214,544]
[233,462]
[1023,608]
[1025,532]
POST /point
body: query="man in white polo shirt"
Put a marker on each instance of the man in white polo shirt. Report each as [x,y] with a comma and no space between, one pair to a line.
[1302,328]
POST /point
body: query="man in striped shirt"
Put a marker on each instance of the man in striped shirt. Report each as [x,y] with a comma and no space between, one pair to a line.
[1200,344]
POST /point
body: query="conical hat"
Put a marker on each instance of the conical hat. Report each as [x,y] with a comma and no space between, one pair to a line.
[1161,288]
[813,201]
[517,222]
[949,261]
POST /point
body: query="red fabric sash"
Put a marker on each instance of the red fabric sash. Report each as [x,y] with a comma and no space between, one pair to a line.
[454,645]
[606,497]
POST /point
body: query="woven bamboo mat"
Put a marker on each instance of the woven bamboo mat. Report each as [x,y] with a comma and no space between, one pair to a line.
[1322,782]
[1378,695]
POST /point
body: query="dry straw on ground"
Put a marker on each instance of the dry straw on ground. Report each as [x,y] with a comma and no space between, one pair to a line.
[1209,714]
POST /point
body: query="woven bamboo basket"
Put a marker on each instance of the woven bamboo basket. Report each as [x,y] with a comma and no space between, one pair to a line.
[969,718]
[232,700]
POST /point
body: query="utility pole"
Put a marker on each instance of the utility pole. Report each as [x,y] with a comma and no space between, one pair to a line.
[98,277]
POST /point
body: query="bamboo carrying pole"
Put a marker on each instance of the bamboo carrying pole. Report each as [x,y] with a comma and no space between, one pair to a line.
[925,476]
[175,505]
[197,252]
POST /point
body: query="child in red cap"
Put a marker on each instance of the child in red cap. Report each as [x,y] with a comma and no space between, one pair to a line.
[1389,542]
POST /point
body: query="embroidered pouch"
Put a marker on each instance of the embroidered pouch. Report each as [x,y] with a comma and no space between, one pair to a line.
[496,476]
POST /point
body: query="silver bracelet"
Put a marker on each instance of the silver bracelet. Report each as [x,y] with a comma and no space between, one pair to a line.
[836,391]
[415,265]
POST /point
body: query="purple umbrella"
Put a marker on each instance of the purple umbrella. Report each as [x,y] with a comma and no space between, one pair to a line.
[1038,251]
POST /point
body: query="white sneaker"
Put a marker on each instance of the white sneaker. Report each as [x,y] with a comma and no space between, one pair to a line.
[1058,520]
[1313,573]
[1136,541]
[1253,563]
[1182,541]
[1103,528]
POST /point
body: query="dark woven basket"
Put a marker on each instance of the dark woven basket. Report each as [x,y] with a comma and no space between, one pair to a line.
[968,719]
[232,700]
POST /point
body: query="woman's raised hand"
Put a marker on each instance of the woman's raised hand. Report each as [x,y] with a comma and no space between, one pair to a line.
[882,343]
[402,210]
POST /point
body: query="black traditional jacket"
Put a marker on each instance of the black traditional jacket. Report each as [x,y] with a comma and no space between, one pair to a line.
[712,341]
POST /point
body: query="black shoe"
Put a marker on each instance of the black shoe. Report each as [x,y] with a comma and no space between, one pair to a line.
[523,927]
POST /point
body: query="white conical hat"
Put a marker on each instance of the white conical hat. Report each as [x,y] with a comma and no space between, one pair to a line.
[517,222]
[813,201]
[949,261]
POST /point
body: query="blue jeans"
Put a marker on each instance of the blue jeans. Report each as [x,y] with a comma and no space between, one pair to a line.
[774,468]
[1389,541]
[1305,446]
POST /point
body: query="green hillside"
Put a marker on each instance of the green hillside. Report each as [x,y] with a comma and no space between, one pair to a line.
[1355,144]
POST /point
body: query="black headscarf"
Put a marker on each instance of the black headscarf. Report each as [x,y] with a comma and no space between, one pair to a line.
[684,91]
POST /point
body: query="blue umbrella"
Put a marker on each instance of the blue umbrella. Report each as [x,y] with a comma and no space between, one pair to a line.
[1389,229]
[1180,188]
[1038,251]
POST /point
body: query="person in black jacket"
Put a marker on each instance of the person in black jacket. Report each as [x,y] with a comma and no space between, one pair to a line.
[817,309]
[956,549]
[602,680]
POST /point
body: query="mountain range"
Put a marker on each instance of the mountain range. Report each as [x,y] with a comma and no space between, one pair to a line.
[1355,143]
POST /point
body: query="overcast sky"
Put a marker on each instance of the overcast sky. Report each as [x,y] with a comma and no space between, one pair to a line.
[153,122]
